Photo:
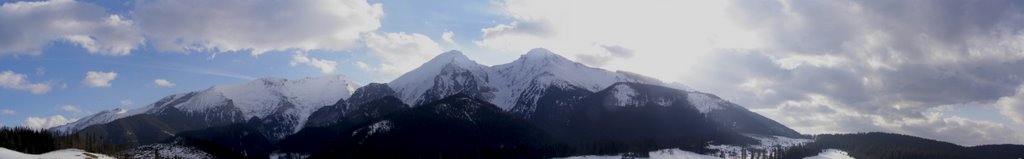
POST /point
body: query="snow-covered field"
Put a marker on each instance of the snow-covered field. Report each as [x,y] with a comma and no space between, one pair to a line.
[660,154]
[59,154]
[831,154]
[680,154]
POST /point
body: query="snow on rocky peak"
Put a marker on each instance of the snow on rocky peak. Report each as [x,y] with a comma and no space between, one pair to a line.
[263,96]
[98,118]
[525,79]
[257,98]
[411,86]
[521,81]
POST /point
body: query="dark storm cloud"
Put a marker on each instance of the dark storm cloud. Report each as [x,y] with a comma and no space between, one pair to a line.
[928,52]
[876,65]
[829,27]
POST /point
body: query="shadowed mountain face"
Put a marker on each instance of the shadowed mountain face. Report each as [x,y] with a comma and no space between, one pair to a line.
[159,125]
[458,125]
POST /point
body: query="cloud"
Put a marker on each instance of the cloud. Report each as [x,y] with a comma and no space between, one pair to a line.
[15,81]
[99,79]
[325,66]
[400,52]
[901,57]
[163,83]
[71,108]
[1013,106]
[39,123]
[447,37]
[40,71]
[821,114]
[127,102]
[256,26]
[883,64]
[7,112]
[31,26]
[650,33]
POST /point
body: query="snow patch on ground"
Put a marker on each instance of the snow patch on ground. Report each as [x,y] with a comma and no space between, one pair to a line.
[166,151]
[659,154]
[59,154]
[831,154]
[705,103]
[767,144]
[379,127]
[624,95]
[279,155]
[772,141]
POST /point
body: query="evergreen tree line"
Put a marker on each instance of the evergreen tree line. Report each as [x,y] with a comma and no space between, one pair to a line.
[876,145]
[33,141]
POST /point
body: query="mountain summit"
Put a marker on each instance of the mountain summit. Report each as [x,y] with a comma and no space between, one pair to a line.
[516,84]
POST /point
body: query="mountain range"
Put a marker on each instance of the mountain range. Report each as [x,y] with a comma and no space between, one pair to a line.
[540,105]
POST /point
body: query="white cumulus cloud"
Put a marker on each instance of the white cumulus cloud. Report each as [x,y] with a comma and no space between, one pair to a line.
[163,83]
[127,102]
[256,26]
[71,108]
[7,112]
[325,66]
[99,79]
[821,114]
[448,36]
[1013,106]
[30,26]
[651,34]
[400,52]
[45,123]
[15,81]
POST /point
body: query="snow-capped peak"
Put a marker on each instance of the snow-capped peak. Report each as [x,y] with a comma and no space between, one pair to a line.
[451,57]
[257,98]
[267,96]
[544,56]
[521,81]
[411,86]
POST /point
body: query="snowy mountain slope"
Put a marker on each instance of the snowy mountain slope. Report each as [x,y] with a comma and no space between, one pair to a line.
[292,100]
[99,118]
[516,84]
[444,75]
[627,96]
[528,78]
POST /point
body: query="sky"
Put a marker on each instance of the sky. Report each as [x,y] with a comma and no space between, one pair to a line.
[946,70]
